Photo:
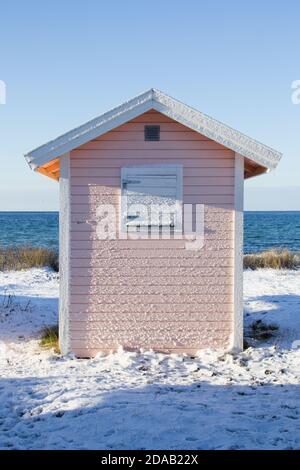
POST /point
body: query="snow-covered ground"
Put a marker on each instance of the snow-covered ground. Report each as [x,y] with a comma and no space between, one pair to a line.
[149,401]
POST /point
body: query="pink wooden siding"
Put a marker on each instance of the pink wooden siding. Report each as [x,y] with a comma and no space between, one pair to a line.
[151,293]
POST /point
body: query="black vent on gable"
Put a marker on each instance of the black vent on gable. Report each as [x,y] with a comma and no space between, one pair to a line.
[152,133]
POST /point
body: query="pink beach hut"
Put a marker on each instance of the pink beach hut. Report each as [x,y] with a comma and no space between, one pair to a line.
[151,227]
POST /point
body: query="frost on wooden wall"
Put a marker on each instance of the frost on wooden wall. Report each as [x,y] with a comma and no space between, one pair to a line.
[151,293]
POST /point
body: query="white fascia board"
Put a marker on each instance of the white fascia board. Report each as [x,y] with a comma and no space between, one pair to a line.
[216,130]
[90,130]
[155,99]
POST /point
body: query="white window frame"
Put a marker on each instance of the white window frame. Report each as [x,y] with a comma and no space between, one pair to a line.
[141,170]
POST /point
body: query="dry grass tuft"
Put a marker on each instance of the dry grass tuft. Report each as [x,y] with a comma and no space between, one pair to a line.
[275,259]
[27,257]
[49,338]
[260,330]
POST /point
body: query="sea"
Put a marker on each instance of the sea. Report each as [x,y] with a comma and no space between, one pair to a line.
[262,230]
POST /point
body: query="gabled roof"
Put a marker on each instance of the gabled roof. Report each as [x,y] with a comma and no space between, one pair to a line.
[174,109]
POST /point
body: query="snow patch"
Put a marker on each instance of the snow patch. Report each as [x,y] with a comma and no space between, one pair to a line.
[148,400]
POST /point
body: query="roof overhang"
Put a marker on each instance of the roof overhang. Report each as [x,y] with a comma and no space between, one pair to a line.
[262,156]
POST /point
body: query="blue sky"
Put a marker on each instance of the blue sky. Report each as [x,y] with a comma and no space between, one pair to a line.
[66,62]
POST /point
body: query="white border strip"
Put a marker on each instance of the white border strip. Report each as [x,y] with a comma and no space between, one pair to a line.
[238,320]
[64,253]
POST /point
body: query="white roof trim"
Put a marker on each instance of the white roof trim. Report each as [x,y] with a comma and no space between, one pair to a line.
[155,99]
